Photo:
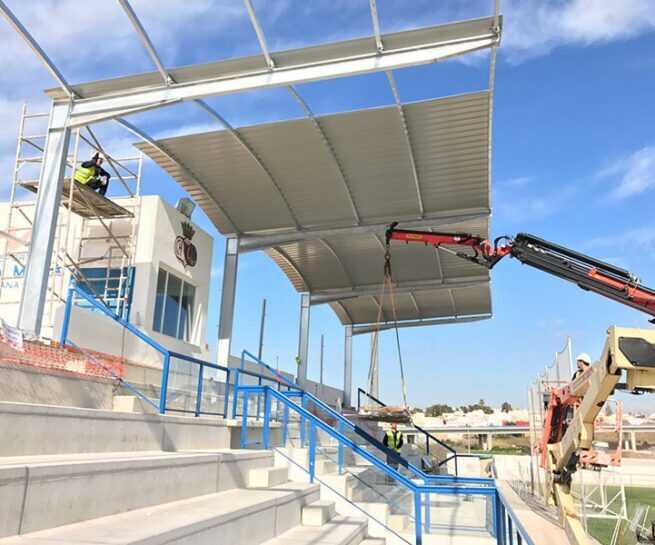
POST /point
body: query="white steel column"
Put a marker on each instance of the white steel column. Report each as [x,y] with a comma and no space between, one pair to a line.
[374,371]
[303,337]
[228,295]
[348,367]
[48,198]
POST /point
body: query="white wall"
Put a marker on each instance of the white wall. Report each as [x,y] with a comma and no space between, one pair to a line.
[158,226]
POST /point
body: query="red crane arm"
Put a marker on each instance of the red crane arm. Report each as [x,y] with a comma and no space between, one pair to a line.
[587,272]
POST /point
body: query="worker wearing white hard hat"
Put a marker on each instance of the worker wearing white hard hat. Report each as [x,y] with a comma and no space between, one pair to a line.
[583,361]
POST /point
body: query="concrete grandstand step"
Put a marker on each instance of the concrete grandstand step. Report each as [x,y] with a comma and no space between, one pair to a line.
[339,531]
[235,516]
[266,477]
[39,492]
[374,541]
[398,522]
[318,513]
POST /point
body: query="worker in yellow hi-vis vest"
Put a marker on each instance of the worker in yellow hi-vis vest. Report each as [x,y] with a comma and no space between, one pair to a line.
[91,174]
[393,440]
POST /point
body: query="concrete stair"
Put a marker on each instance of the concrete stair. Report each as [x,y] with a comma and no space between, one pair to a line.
[266,477]
[97,477]
[339,531]
[235,516]
[318,513]
[46,491]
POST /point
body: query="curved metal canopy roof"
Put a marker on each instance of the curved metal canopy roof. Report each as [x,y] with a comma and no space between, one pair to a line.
[316,193]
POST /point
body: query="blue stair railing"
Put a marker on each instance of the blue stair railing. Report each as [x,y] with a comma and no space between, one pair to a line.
[169,357]
[420,492]
[429,438]
[343,425]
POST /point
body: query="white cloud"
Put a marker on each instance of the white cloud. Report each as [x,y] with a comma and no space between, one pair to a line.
[535,27]
[641,239]
[633,174]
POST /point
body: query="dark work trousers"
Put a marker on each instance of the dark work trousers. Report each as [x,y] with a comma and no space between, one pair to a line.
[98,185]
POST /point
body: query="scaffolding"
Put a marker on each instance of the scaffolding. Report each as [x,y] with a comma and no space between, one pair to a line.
[95,237]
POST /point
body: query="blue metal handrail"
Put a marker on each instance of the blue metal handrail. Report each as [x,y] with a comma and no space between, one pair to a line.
[166,354]
[453,453]
[391,453]
[418,490]
[362,433]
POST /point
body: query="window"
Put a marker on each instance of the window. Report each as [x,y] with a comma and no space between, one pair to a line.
[174,306]
[112,286]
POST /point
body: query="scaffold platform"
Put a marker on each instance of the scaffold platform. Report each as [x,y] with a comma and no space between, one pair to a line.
[85,202]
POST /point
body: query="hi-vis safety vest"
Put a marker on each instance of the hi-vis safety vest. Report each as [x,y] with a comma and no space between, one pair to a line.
[391,440]
[84,174]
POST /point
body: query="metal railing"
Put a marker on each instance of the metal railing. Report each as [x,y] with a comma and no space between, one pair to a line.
[232,375]
[509,528]
[428,436]
[419,492]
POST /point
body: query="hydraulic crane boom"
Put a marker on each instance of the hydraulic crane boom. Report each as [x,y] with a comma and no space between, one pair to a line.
[587,272]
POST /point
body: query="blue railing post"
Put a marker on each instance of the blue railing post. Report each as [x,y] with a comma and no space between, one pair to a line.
[312,451]
[164,383]
[427,513]
[244,420]
[236,395]
[259,398]
[418,527]
[285,426]
[199,393]
[303,423]
[267,419]
[67,317]
[510,530]
[495,511]
[226,393]
[340,452]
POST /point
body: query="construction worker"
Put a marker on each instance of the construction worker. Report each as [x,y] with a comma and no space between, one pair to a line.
[583,361]
[393,440]
[91,174]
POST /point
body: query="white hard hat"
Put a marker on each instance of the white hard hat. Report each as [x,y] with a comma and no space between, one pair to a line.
[584,357]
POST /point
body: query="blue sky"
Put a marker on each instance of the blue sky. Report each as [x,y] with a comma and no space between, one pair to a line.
[573,159]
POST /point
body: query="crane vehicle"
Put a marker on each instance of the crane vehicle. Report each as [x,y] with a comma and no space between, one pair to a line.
[627,361]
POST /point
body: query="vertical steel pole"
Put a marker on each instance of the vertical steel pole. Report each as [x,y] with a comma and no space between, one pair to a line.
[244,420]
[321,361]
[164,383]
[427,513]
[267,419]
[51,179]
[312,450]
[261,331]
[199,392]
[235,393]
[418,527]
[348,366]
[259,399]
[303,423]
[228,295]
[226,393]
[285,425]
[303,338]
[67,316]
[340,452]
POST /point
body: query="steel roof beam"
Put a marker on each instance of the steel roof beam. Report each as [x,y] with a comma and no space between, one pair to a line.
[185,171]
[330,148]
[408,141]
[239,138]
[260,34]
[36,48]
[476,35]
[370,328]
[330,296]
[145,40]
[376,25]
[251,243]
